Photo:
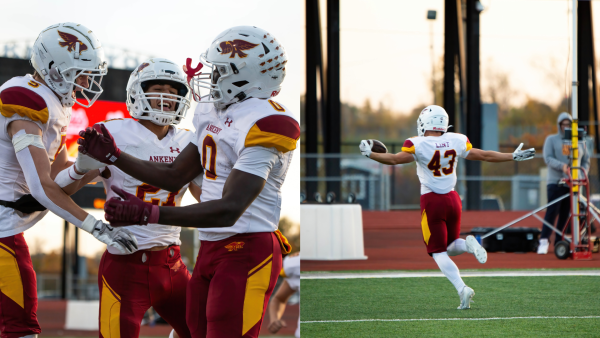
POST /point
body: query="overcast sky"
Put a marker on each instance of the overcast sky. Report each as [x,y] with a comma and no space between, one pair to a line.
[175,30]
[385,48]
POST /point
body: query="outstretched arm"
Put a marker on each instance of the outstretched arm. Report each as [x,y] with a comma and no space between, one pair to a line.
[494,156]
[393,159]
[98,143]
[385,158]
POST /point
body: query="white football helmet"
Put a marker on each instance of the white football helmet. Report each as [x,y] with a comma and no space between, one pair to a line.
[432,118]
[64,52]
[243,61]
[158,71]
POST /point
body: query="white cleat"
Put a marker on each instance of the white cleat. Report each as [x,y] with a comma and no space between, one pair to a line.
[543,246]
[476,249]
[466,298]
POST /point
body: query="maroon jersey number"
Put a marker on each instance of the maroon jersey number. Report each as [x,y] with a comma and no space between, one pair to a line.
[210,165]
[435,163]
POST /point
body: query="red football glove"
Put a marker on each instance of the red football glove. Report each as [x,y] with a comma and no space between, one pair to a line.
[98,143]
[129,211]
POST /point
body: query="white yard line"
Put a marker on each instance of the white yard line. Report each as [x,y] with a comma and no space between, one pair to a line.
[515,273]
[443,319]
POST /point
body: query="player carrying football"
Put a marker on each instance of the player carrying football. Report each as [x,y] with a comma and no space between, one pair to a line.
[158,96]
[435,151]
[35,112]
[244,142]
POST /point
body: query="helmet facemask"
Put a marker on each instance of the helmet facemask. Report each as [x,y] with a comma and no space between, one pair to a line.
[139,100]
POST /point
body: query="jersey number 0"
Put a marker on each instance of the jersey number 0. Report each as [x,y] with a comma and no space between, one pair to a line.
[209,157]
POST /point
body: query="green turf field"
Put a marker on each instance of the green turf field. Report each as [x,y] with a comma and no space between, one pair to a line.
[436,298]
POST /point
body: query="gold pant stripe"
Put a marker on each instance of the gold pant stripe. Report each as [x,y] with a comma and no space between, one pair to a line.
[259,265]
[110,311]
[11,284]
[8,249]
[256,287]
[425,227]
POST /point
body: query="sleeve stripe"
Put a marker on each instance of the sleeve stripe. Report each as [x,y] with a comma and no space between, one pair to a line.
[22,97]
[469,146]
[410,150]
[8,110]
[256,137]
[280,124]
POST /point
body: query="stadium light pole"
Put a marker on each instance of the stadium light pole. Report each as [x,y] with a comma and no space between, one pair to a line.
[431,15]
[574,131]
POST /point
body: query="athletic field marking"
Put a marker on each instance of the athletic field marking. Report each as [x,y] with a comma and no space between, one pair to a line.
[330,275]
[439,319]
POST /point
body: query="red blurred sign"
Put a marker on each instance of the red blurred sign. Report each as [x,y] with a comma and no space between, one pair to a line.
[82,118]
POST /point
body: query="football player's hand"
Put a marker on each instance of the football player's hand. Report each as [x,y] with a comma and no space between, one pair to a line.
[523,155]
[98,143]
[129,210]
[276,325]
[121,239]
[365,148]
[84,163]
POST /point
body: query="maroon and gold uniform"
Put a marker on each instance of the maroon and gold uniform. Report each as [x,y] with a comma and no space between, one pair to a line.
[237,267]
[23,98]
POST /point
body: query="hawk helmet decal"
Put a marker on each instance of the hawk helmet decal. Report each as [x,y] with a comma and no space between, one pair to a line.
[236,47]
[70,41]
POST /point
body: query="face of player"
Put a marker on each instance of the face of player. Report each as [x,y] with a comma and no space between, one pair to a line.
[81,80]
[161,88]
[564,124]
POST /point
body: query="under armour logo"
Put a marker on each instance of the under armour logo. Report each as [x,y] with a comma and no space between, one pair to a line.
[228,122]
[175,150]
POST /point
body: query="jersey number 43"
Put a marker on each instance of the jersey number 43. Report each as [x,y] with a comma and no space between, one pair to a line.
[435,164]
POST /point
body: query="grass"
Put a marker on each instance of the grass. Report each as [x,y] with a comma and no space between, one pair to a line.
[438,270]
[412,298]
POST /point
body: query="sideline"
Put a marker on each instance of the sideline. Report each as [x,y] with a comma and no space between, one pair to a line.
[516,273]
[441,319]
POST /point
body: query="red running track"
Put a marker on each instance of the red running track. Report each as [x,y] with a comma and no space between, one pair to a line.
[52,315]
[393,241]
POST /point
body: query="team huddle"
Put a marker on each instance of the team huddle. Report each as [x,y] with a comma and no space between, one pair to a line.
[234,165]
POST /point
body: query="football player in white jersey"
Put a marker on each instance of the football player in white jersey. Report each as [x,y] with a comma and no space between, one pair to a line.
[436,150]
[291,284]
[158,97]
[35,112]
[244,143]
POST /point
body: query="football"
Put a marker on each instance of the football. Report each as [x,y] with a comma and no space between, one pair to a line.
[378,147]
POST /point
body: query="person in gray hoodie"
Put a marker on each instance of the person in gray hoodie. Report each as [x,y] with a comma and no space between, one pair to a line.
[556,156]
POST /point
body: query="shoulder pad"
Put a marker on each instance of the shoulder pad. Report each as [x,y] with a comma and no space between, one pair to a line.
[274,131]
[25,103]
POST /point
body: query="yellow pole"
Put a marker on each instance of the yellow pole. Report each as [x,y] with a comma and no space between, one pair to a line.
[574,136]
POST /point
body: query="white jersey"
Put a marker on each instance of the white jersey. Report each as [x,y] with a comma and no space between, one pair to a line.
[436,158]
[134,139]
[291,273]
[22,98]
[222,135]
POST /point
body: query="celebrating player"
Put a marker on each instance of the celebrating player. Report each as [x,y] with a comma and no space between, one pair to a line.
[291,284]
[244,142]
[158,96]
[35,112]
[435,151]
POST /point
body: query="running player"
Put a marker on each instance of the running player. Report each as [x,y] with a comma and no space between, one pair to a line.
[35,112]
[290,285]
[244,143]
[158,96]
[435,151]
